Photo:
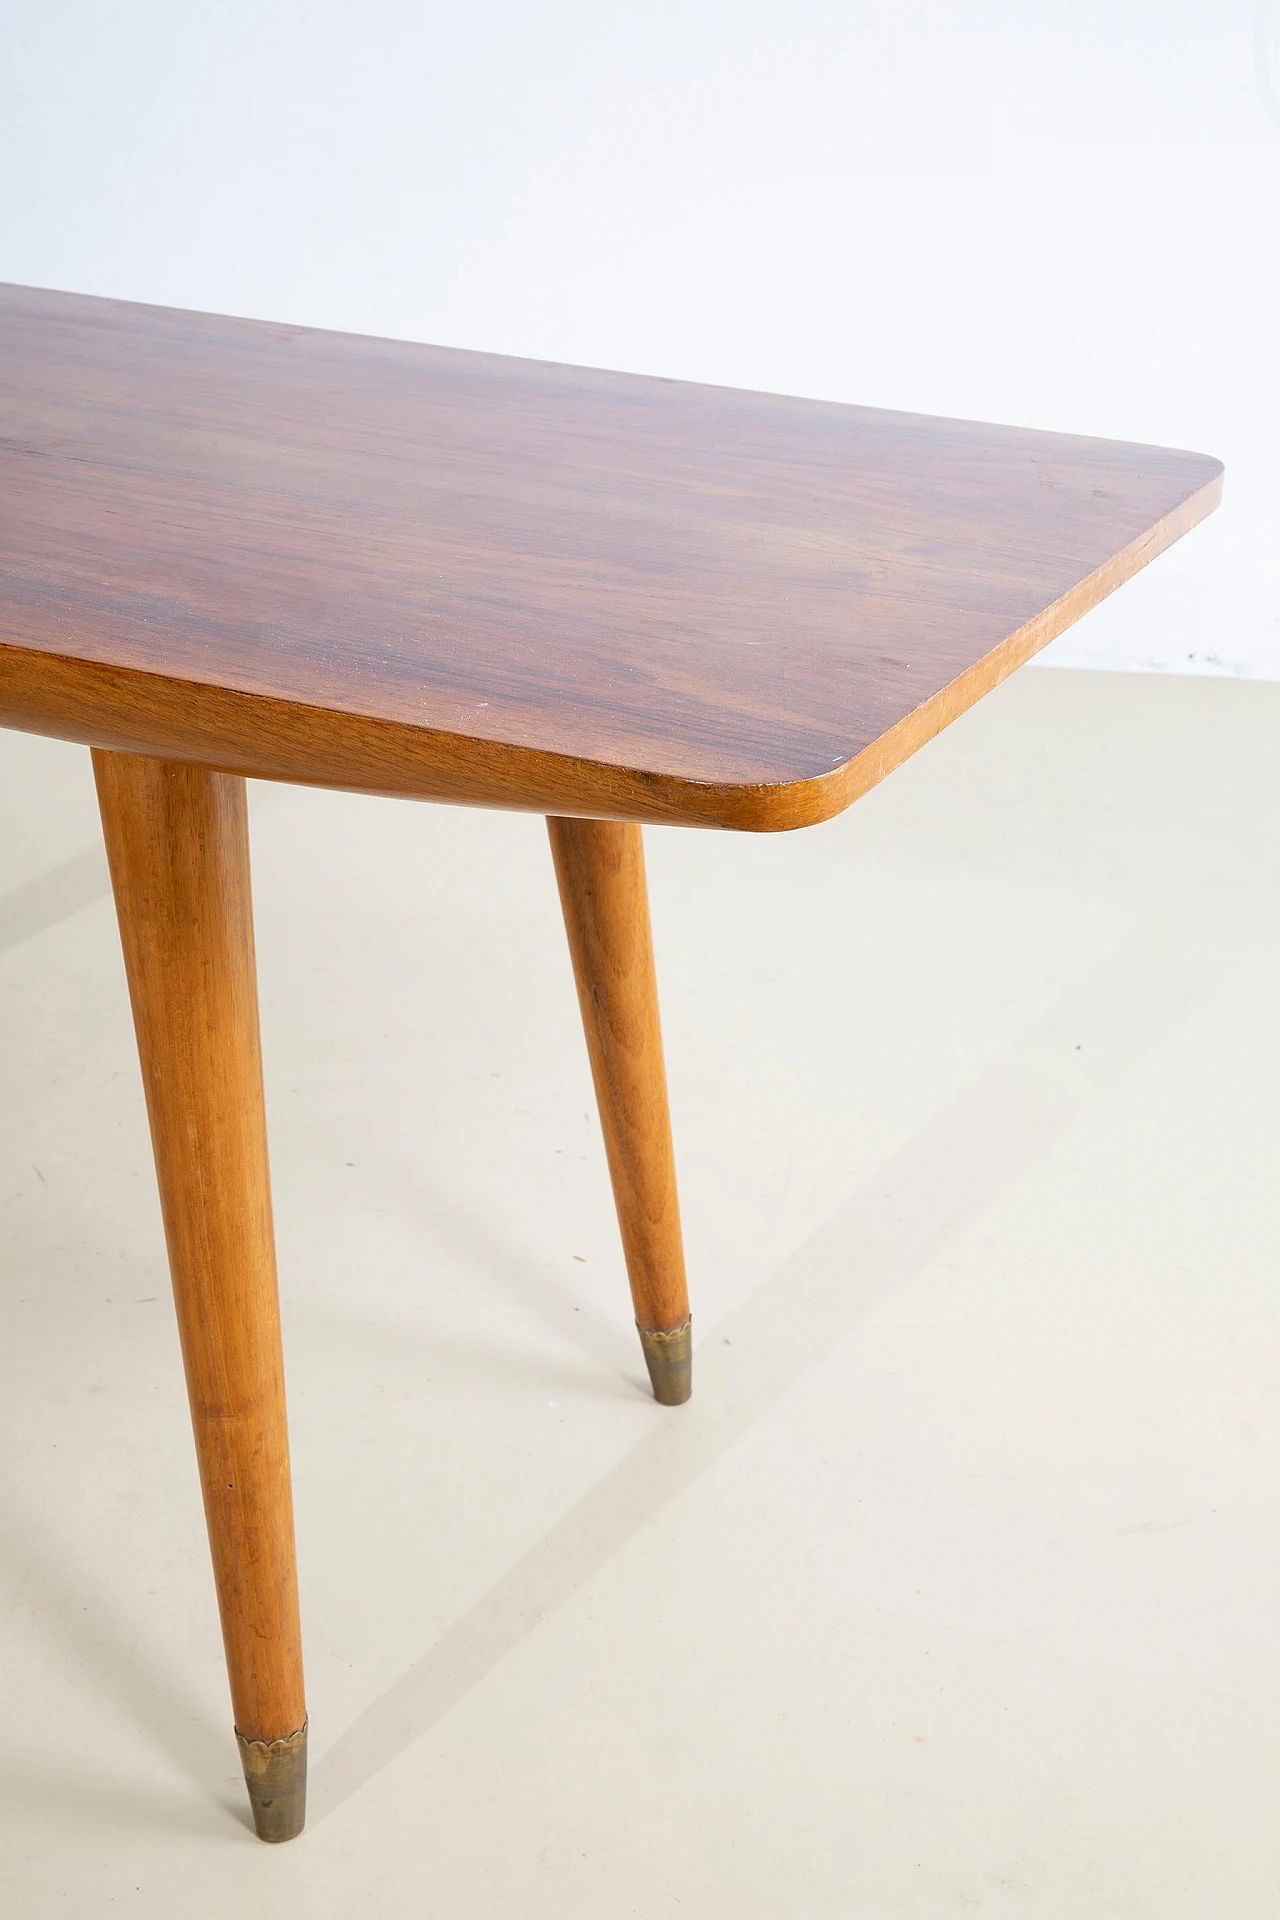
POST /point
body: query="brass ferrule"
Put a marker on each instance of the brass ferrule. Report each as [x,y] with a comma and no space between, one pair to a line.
[275,1772]
[668,1354]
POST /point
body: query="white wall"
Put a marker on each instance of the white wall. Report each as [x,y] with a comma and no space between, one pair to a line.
[1064,213]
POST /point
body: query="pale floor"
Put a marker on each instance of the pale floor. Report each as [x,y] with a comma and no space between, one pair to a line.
[955,1589]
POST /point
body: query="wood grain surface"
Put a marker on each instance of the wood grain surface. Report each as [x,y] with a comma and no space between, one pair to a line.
[418,570]
[178,846]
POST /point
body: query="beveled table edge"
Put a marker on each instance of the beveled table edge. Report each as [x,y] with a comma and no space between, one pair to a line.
[271,738]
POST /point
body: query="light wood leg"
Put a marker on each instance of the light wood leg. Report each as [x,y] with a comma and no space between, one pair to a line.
[178,845]
[600,871]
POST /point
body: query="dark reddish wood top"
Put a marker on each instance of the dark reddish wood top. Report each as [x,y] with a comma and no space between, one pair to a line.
[705,587]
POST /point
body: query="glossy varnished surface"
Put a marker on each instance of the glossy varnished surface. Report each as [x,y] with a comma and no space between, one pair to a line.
[423,570]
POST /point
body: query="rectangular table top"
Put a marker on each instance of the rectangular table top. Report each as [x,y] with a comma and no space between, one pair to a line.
[415,569]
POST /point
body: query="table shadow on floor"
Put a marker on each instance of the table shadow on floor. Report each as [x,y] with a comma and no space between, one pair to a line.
[1008,1118]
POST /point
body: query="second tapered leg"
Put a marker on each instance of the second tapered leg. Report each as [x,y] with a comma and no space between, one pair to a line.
[177,842]
[600,870]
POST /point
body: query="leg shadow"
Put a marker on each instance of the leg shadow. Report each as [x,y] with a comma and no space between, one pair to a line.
[1005,1121]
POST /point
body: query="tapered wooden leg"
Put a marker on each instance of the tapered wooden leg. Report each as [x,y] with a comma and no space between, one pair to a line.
[178,846]
[600,871]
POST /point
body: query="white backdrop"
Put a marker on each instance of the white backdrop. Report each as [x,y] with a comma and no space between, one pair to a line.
[1061,213]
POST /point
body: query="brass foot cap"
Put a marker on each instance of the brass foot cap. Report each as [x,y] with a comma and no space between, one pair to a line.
[669,1358]
[275,1772]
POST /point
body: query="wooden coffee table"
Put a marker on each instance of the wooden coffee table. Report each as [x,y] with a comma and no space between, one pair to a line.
[232,548]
